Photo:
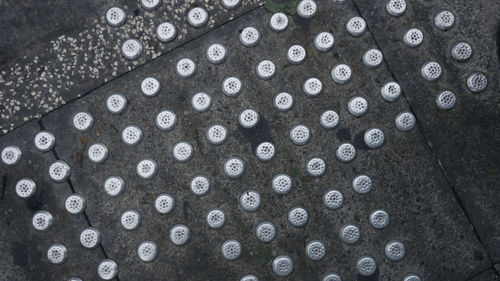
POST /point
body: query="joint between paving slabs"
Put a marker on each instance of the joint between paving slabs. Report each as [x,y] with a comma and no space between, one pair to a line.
[471,278]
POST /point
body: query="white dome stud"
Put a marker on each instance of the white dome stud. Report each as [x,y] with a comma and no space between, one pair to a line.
[296,54]
[333,199]
[25,188]
[231,250]
[395,251]
[341,73]
[249,278]
[366,266]
[131,135]
[116,103]
[200,185]
[477,82]
[44,141]
[373,58]
[346,152]
[356,26]
[431,71]
[217,134]
[329,119]
[300,134]
[265,151]
[179,234]
[413,37]
[59,171]
[115,16]
[42,220]
[166,32]
[75,204]
[282,184]
[315,167]
[298,216]
[166,120]
[444,20]
[201,102]
[11,155]
[197,17]
[248,118]
[150,4]
[249,36]
[461,51]
[374,138]
[83,121]
[357,106]
[234,167]
[362,184]
[164,203]
[315,250]
[147,251]
[307,9]
[390,91]
[283,101]
[130,220]
[231,86]
[57,254]
[338,2]
[324,41]
[411,277]
[278,22]
[230,4]
[250,200]
[107,270]
[331,276]
[150,87]
[132,49]
[446,100]
[216,218]
[266,70]
[349,234]
[146,169]
[90,238]
[282,266]
[265,231]
[114,186]
[312,87]
[405,121]
[379,219]
[216,53]
[396,7]
[182,151]
[185,68]
[98,152]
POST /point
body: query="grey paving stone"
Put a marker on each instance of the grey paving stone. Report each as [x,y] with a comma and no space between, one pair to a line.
[464,139]
[489,275]
[24,249]
[408,183]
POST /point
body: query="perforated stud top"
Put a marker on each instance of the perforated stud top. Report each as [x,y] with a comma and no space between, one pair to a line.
[282,266]
[45,141]
[265,151]
[116,103]
[461,51]
[166,32]
[201,102]
[150,4]
[333,199]
[356,26]
[300,134]
[166,120]
[331,277]
[395,251]
[278,22]
[329,119]
[200,185]
[147,251]
[82,121]
[390,91]
[346,152]
[405,121]
[217,134]
[42,220]
[366,266]
[282,183]
[132,49]
[248,118]
[146,169]
[25,188]
[413,37]
[57,254]
[362,184]
[114,186]
[131,135]
[216,53]
[216,218]
[379,219]
[115,16]
[231,249]
[75,204]
[373,58]
[249,36]
[446,100]
[98,152]
[324,41]
[108,269]
[307,9]
[431,71]
[59,171]
[315,250]
[265,231]
[477,82]
[11,155]
[266,69]
[90,238]
[298,216]
[444,20]
[283,101]
[234,167]
[296,54]
[197,17]
[130,220]
[250,200]
[315,167]
[182,151]
[374,138]
[341,73]
[249,278]
[230,4]
[164,203]
[150,87]
[349,234]
[185,68]
[312,87]
[231,86]
[357,106]
[396,7]
[411,277]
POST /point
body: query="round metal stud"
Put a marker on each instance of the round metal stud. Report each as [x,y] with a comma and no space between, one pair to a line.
[346,152]
[45,141]
[150,87]
[307,9]
[379,219]
[234,167]
[366,266]
[298,216]
[116,103]
[315,167]
[282,266]
[411,277]
[216,53]
[283,101]
[98,152]
[395,251]
[265,231]
[216,218]
[413,37]
[131,135]
[396,7]
[249,36]
[83,121]
[278,22]
[75,204]
[217,134]
[333,199]
[341,73]
[300,134]
[265,69]
[282,183]
[296,54]
[11,155]
[324,41]
[166,32]
[431,71]
[444,20]
[90,238]
[200,185]
[446,100]
[231,86]
[166,120]
[185,68]
[250,200]
[461,51]
[362,184]
[164,203]
[405,121]
[114,186]
[477,82]
[391,91]
[115,16]
[132,49]
[265,151]
[349,234]
[374,138]
[230,4]
[59,171]
[315,250]
[357,106]
[249,278]
[331,277]
[231,250]
[338,2]
[107,270]
[329,119]
[312,87]
[146,169]
[130,220]
[147,251]
[57,254]
[42,220]
[201,102]
[248,118]
[25,188]
[74,279]
[182,151]
[356,26]
[150,4]
[373,58]
[197,17]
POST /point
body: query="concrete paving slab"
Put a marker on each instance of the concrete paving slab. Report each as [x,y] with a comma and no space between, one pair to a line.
[486,276]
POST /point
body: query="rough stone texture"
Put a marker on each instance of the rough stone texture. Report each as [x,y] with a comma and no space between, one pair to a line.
[24,249]
[489,275]
[57,69]
[408,182]
[465,139]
